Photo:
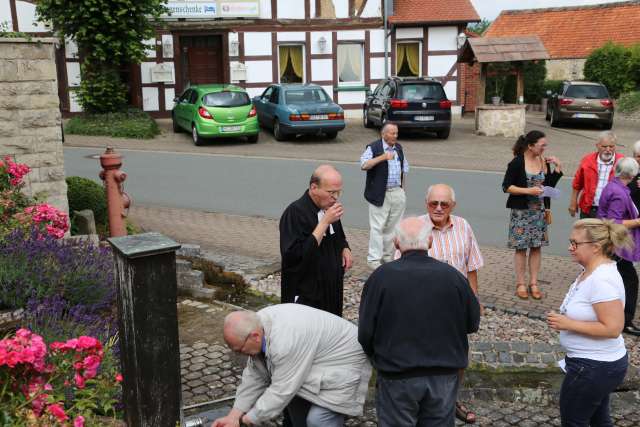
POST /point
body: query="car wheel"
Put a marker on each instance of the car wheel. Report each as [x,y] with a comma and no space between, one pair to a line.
[365,118]
[253,138]
[547,116]
[277,131]
[176,127]
[443,133]
[554,119]
[197,139]
[332,135]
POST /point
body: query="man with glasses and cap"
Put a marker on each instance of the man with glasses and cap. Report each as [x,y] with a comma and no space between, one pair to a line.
[314,250]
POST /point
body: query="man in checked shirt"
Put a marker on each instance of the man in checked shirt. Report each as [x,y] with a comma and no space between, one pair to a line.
[386,166]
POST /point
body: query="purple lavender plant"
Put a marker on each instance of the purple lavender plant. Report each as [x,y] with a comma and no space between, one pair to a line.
[33,267]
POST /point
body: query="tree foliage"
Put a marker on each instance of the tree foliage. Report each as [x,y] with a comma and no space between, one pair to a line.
[610,65]
[479,27]
[109,34]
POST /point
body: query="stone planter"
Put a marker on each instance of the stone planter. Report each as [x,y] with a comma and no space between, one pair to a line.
[500,120]
[495,100]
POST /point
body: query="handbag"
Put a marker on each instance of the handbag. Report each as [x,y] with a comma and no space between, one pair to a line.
[548,217]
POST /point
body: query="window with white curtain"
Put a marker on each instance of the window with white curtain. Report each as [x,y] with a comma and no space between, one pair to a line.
[350,64]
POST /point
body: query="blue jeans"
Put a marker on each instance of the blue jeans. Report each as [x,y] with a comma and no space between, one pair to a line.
[584,396]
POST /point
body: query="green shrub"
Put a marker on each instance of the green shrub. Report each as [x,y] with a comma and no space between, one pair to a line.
[84,194]
[629,102]
[609,65]
[555,86]
[101,91]
[129,124]
[634,64]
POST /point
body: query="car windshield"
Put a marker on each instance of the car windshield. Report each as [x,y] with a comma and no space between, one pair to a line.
[303,96]
[420,91]
[587,91]
[226,99]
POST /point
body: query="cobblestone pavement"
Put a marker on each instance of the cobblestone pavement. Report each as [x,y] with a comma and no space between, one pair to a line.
[254,241]
[463,149]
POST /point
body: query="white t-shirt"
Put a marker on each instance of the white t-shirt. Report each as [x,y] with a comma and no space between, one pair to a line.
[603,284]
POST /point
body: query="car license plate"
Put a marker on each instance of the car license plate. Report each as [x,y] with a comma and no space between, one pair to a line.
[231,128]
[319,117]
[423,118]
[585,116]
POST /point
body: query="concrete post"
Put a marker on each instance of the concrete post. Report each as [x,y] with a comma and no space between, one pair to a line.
[145,267]
[117,200]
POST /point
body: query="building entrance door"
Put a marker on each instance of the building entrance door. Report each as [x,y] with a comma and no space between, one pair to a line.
[202,59]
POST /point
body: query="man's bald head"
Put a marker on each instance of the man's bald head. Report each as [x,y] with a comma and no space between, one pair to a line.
[324,173]
[243,332]
[325,186]
[413,233]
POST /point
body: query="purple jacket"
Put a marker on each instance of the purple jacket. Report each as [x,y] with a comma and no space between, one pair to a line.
[616,204]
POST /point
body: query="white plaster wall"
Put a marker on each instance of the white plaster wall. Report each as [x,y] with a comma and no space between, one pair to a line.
[376,41]
[409,33]
[265,9]
[74,105]
[373,9]
[150,48]
[443,38]
[255,91]
[353,114]
[329,90]
[259,71]
[439,65]
[351,97]
[73,73]
[351,35]
[27,18]
[451,89]
[315,36]
[145,71]
[70,48]
[290,36]
[5,13]
[150,99]
[257,44]
[312,9]
[169,94]
[377,68]
[167,38]
[290,9]
[341,6]
[321,69]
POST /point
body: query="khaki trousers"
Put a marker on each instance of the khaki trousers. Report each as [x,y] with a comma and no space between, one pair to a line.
[382,222]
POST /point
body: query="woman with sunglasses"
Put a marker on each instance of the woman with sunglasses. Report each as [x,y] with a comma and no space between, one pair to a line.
[617,205]
[526,175]
[590,322]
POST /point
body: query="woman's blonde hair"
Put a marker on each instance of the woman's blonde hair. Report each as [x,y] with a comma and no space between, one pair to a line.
[610,235]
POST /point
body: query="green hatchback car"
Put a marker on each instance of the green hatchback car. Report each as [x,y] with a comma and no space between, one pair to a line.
[215,111]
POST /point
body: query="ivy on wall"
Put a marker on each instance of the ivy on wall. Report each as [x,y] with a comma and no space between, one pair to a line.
[109,35]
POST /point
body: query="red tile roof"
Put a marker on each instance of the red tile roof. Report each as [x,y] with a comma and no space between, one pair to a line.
[572,32]
[433,11]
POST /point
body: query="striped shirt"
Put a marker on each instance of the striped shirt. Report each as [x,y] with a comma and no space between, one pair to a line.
[456,245]
[604,170]
[394,178]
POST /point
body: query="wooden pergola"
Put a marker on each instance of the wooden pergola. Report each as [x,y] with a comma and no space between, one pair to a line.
[486,50]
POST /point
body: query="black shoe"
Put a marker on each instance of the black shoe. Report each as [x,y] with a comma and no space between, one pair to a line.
[631,330]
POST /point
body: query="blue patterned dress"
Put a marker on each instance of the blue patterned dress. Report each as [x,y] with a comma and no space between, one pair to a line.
[527,227]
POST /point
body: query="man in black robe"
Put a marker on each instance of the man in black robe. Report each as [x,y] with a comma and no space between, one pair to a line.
[315,253]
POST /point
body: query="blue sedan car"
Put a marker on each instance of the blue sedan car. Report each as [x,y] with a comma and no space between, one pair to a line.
[293,109]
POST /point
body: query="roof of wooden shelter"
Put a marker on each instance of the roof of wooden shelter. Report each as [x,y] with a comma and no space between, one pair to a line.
[503,49]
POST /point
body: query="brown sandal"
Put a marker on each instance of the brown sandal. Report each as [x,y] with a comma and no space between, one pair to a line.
[521,291]
[465,414]
[534,290]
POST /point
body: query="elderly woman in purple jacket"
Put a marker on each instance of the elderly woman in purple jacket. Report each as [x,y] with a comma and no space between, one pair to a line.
[616,204]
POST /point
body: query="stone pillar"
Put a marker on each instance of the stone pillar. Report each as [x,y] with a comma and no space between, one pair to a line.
[145,267]
[30,120]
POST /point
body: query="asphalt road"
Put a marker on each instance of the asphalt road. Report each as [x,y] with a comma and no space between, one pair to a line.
[263,187]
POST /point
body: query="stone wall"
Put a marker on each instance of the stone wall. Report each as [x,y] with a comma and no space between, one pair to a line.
[30,121]
[565,69]
[500,120]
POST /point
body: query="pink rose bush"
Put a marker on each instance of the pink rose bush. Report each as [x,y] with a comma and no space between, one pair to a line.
[20,211]
[34,381]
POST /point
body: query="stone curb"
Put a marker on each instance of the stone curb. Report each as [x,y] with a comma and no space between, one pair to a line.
[515,354]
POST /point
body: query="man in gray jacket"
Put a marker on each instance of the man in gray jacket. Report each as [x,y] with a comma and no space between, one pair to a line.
[300,358]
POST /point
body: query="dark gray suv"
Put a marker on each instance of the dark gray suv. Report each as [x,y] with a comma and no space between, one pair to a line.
[581,102]
[411,103]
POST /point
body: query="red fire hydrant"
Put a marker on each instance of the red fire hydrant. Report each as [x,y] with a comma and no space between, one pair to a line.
[117,200]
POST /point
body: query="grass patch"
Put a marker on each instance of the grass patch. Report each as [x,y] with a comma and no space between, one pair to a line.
[629,102]
[128,124]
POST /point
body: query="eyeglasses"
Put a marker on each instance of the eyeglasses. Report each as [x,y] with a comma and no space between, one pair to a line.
[333,193]
[434,204]
[239,350]
[574,244]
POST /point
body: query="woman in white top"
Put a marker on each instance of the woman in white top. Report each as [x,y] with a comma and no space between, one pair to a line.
[590,322]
